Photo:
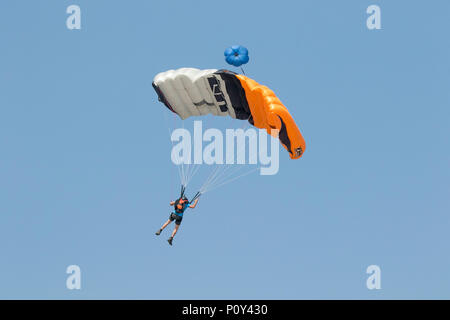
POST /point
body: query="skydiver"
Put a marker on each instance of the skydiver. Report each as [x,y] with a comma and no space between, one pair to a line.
[180,205]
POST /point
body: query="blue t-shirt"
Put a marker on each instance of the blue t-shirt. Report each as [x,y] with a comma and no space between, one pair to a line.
[185,206]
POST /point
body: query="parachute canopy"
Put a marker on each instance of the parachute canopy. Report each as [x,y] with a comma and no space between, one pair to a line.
[236,55]
[193,92]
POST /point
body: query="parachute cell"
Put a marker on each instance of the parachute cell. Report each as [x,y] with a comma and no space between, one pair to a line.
[193,92]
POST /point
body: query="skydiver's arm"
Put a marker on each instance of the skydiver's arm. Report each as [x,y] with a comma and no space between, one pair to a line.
[172,203]
[194,204]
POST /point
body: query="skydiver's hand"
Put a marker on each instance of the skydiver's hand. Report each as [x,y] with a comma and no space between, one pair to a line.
[194,204]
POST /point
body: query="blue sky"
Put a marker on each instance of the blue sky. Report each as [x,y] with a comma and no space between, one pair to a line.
[86,177]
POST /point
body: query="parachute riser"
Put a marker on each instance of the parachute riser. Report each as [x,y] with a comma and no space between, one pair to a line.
[197,195]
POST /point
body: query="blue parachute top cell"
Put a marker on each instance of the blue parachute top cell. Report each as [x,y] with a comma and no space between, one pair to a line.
[236,55]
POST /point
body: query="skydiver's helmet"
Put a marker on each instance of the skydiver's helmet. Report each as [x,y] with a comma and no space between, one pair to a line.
[185,199]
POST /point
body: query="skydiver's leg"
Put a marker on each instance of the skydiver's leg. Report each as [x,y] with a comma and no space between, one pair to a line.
[166,224]
[163,227]
[177,225]
[175,230]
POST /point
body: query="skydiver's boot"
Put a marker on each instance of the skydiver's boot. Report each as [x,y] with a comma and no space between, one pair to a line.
[170,240]
[158,232]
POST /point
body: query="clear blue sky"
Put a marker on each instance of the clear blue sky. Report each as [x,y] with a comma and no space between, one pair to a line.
[85,173]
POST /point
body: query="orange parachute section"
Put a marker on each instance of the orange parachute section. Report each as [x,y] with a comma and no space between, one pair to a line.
[268,112]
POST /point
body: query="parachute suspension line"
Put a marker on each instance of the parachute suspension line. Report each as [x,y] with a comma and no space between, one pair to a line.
[242,69]
[170,138]
[216,172]
[186,174]
[225,173]
[217,177]
[188,169]
[231,180]
[183,168]
[185,171]
[181,164]
[191,172]
[210,177]
[197,167]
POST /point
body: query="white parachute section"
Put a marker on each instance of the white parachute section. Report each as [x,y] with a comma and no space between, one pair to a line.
[194,92]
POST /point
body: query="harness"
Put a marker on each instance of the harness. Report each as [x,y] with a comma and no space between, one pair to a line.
[180,207]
